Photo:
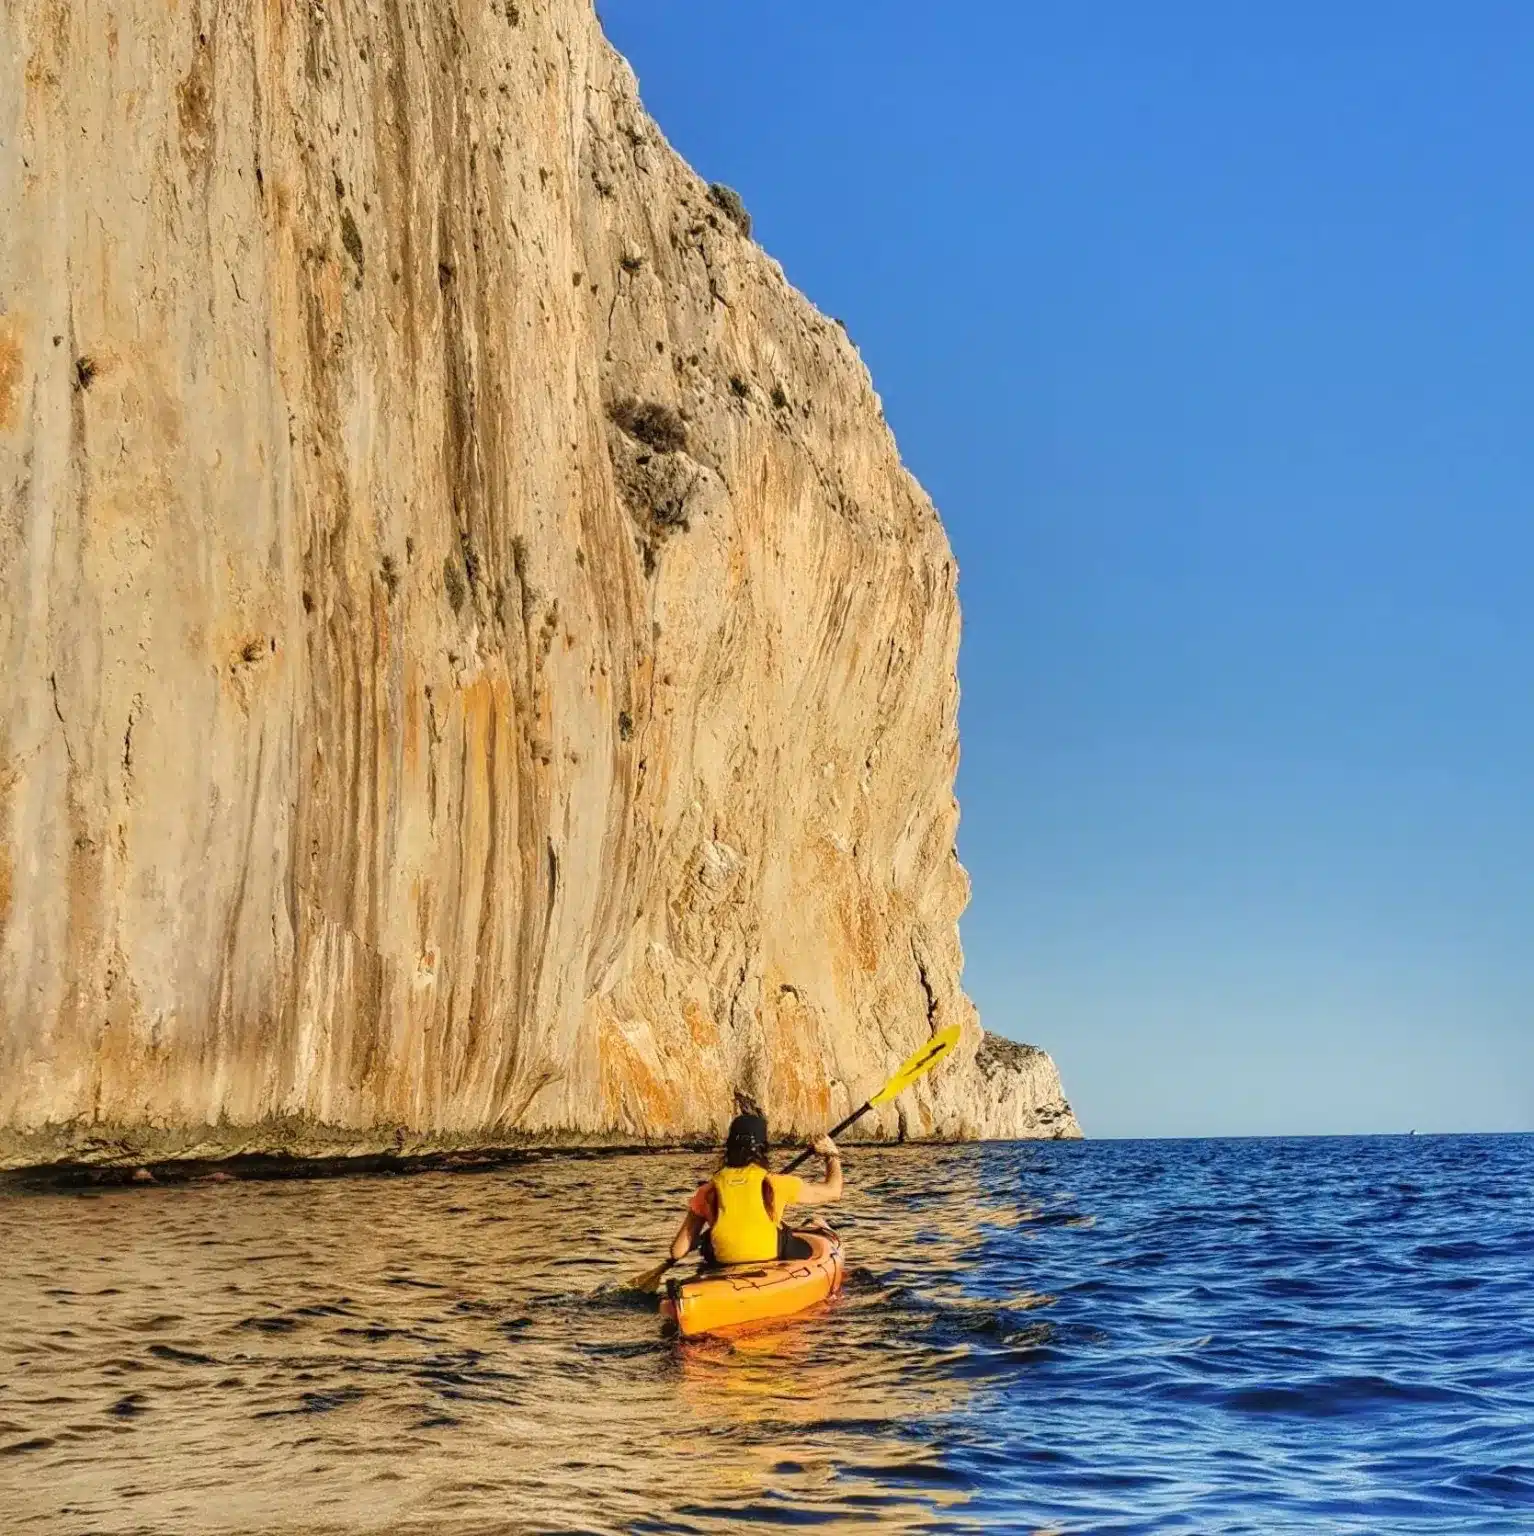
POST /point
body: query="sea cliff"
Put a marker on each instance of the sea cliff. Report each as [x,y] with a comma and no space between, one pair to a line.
[473,668]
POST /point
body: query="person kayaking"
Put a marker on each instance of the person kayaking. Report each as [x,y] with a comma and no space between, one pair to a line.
[738,1214]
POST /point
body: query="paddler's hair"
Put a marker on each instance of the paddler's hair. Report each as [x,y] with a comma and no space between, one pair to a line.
[746,1142]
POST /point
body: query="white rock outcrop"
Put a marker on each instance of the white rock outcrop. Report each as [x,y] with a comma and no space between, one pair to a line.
[472,665]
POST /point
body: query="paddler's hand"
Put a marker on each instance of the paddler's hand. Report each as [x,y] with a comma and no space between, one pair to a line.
[826,1147]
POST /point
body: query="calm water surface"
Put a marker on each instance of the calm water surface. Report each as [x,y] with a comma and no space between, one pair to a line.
[1259,1336]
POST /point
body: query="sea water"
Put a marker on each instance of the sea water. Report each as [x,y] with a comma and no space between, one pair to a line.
[1203,1336]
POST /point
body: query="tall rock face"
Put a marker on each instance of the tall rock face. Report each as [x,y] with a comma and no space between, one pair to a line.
[472,665]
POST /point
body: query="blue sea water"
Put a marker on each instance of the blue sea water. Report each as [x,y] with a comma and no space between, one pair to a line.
[1311,1335]
[1107,1337]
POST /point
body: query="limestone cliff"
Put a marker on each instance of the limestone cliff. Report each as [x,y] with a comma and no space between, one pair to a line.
[472,665]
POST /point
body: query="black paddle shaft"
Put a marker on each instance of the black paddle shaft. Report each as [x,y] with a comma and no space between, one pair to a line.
[833,1133]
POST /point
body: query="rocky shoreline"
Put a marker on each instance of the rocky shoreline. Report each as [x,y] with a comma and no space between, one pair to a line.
[1021,1099]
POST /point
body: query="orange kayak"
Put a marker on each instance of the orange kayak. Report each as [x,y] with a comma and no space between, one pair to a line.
[725,1298]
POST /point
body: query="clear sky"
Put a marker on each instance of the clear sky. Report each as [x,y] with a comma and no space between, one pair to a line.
[1210,329]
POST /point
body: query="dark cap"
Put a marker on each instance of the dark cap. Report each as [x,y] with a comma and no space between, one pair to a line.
[747,1141]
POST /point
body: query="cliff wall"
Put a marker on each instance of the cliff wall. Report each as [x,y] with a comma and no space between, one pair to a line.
[472,665]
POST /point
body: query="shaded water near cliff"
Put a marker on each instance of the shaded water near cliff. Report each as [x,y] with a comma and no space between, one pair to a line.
[1256,1336]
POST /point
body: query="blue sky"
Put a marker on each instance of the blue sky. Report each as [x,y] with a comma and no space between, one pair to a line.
[1210,329]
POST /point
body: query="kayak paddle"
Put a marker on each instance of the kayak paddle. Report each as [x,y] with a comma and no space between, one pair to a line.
[915,1066]
[912,1068]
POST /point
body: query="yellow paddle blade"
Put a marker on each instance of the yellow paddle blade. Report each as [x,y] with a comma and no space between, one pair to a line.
[921,1063]
[650,1280]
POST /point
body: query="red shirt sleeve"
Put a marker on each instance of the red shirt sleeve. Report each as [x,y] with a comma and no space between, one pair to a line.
[705,1203]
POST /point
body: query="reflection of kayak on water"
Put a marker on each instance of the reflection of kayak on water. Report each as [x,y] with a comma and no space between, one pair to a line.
[734,1294]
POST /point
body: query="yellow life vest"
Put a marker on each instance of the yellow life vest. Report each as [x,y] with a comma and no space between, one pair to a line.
[744,1233]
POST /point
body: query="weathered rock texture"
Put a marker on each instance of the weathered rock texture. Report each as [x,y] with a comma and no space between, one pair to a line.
[1018,1092]
[472,666]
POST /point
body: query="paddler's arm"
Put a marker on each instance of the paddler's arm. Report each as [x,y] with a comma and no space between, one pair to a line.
[687,1235]
[823,1191]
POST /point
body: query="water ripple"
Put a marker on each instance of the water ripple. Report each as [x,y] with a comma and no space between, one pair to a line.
[1243,1336]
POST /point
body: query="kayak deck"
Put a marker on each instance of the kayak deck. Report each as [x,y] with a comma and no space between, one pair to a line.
[727,1297]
